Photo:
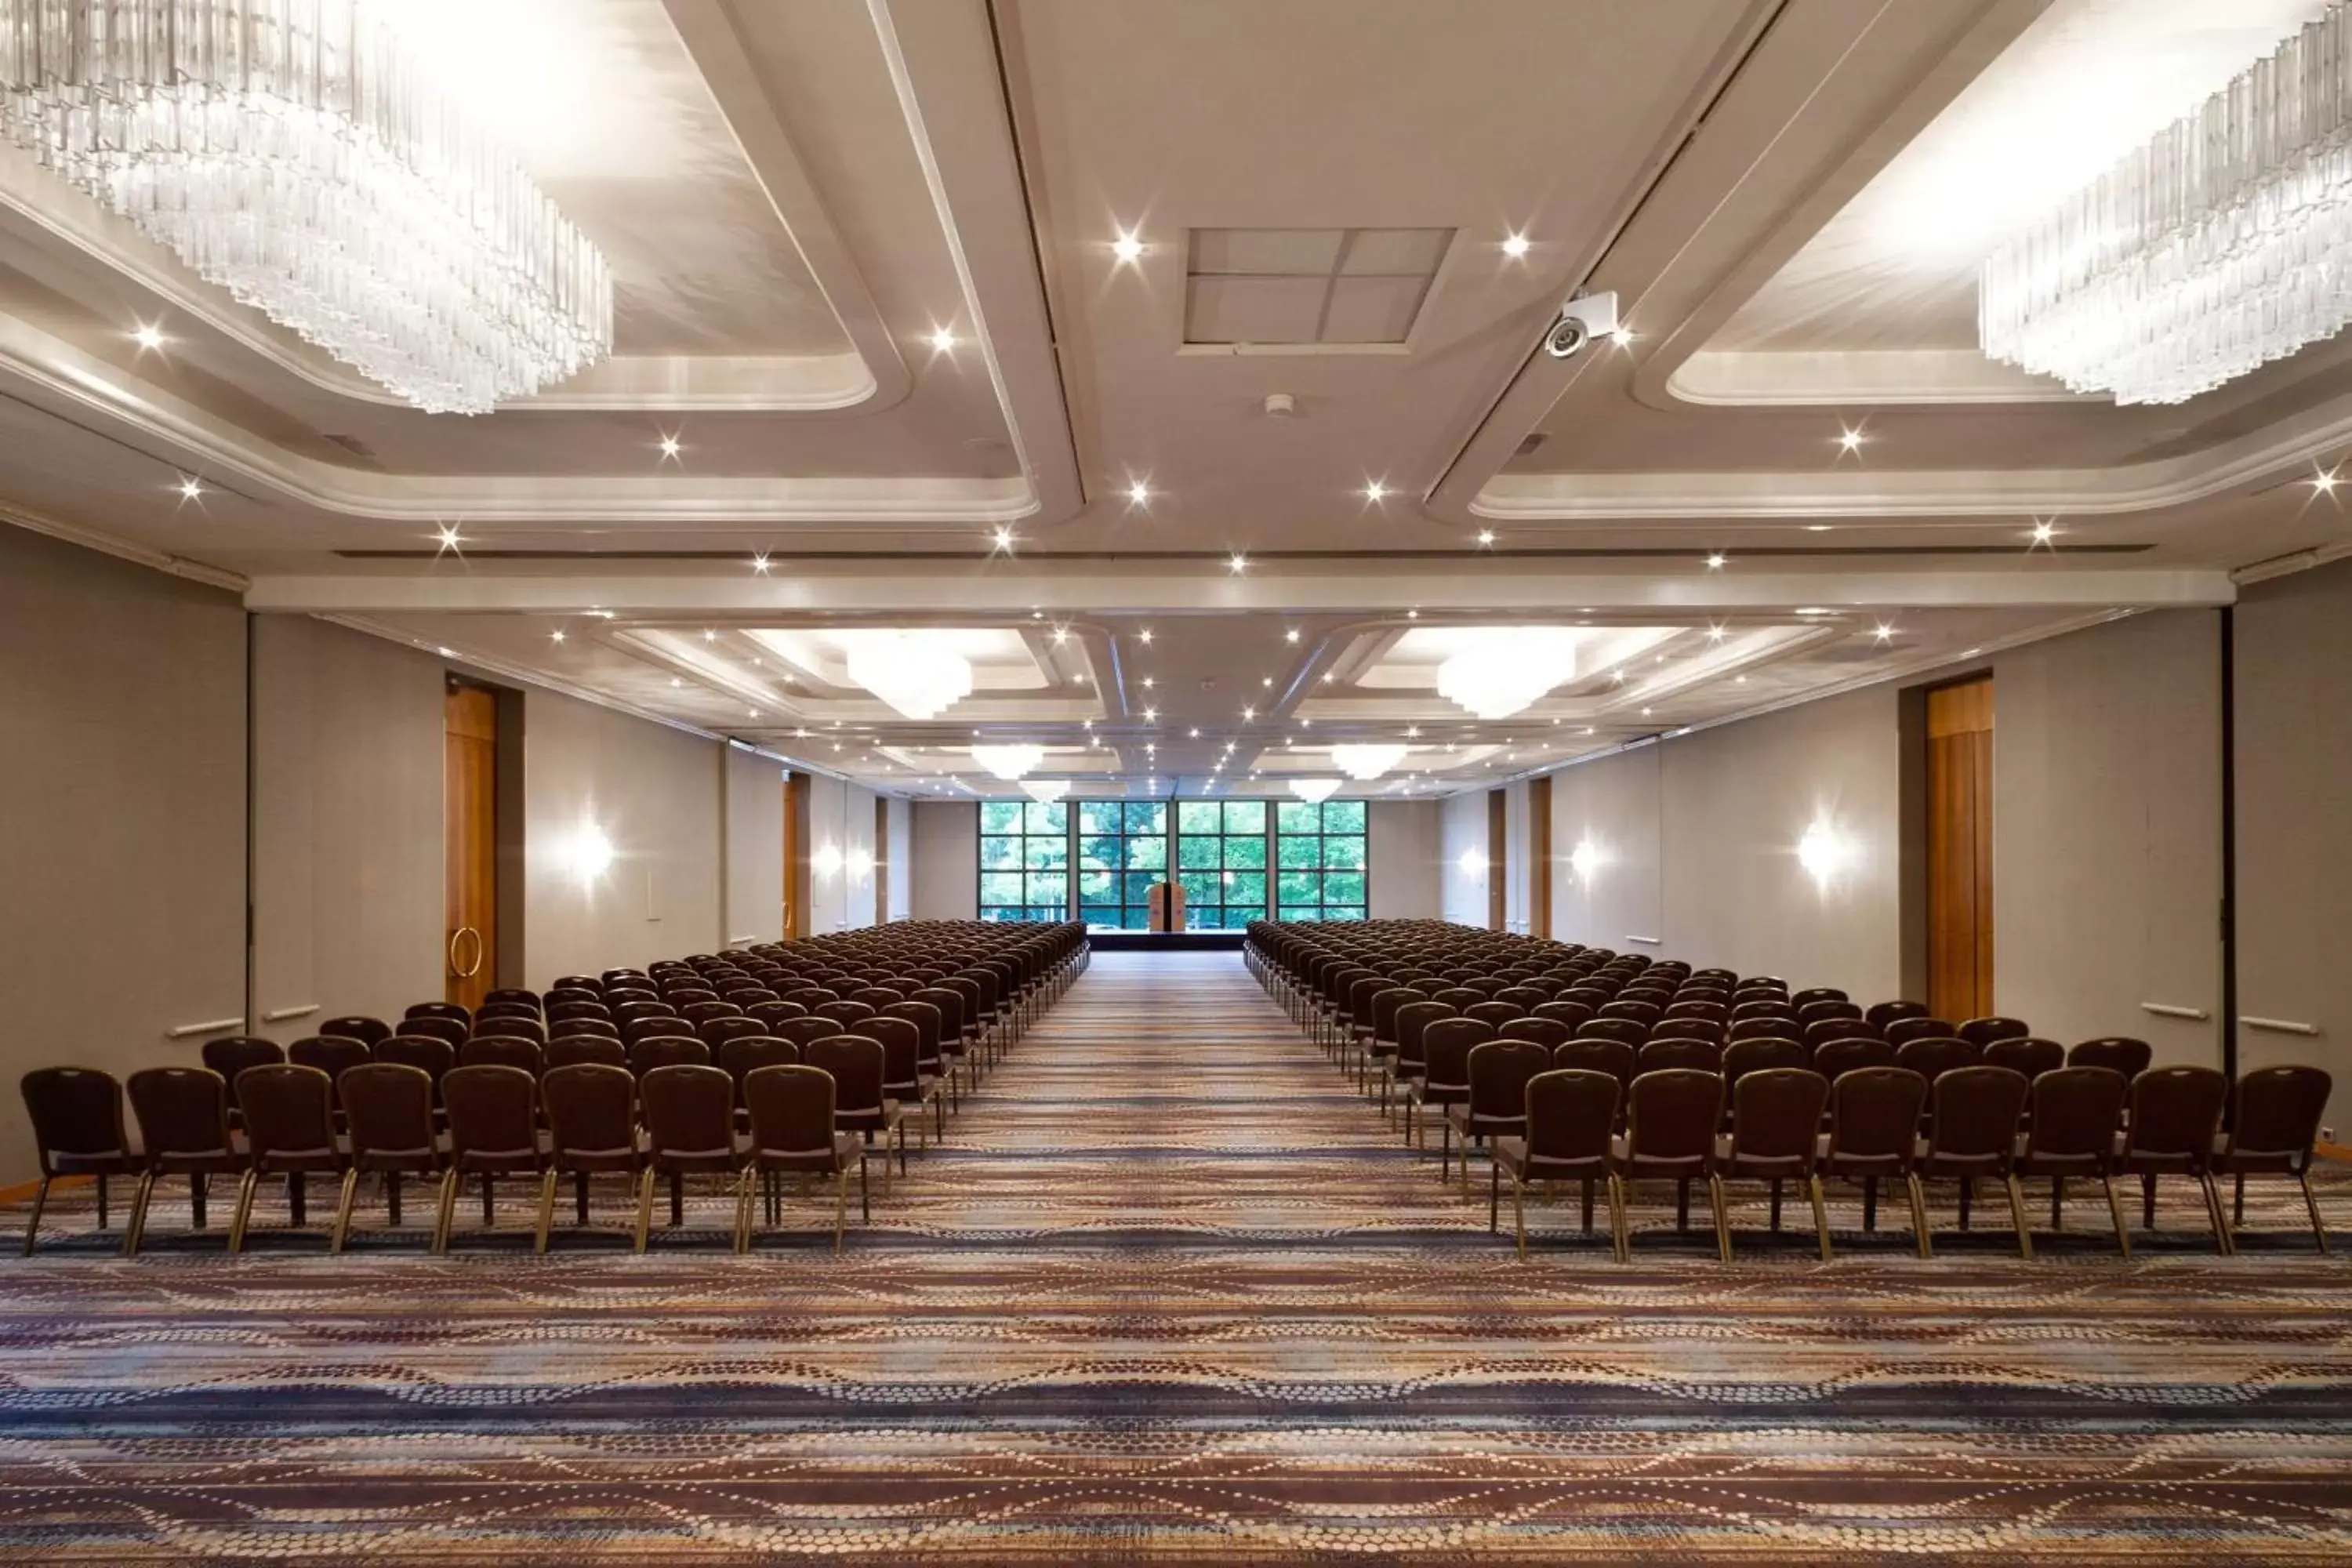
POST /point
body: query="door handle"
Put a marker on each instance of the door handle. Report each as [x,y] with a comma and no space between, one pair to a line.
[481,951]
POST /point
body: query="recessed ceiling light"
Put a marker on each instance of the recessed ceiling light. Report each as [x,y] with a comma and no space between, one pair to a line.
[1412,614]
[2323,481]
[669,446]
[710,635]
[1139,493]
[147,336]
[943,341]
[1148,682]
[1486,536]
[1515,246]
[1817,528]
[1290,635]
[1375,490]
[1151,715]
[1588,729]
[760,564]
[448,535]
[192,489]
[1622,337]
[1882,632]
[2044,531]
[1003,538]
[1717,561]
[674,680]
[1716,634]
[1127,248]
[1193,733]
[1739,680]
[1239,563]
[1849,439]
[555,635]
[1266,680]
[1144,636]
[1249,712]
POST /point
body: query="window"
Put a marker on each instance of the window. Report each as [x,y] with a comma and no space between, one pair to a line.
[1320,861]
[1123,850]
[1220,862]
[1025,860]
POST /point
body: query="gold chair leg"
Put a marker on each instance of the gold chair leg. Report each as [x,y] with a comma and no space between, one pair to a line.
[342,1231]
[2116,1213]
[2221,1219]
[40,1201]
[1821,1217]
[2017,1219]
[1919,1234]
[546,1209]
[241,1215]
[645,1207]
[2311,1202]
[743,1210]
[1722,1220]
[138,1226]
[840,1208]
[445,1211]
[1621,1229]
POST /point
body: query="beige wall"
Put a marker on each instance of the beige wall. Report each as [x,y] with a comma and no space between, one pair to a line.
[841,819]
[1461,830]
[654,792]
[946,835]
[2295,820]
[122,814]
[899,858]
[1407,866]
[347,811]
[754,866]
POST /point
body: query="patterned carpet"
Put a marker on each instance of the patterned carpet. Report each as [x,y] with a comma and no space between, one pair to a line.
[1173,1293]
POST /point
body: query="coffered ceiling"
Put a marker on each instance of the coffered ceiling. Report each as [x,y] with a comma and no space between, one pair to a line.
[1182,360]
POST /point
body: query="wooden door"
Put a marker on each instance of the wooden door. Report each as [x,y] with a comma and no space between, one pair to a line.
[881,860]
[469,797]
[796,880]
[1498,870]
[1539,856]
[1959,850]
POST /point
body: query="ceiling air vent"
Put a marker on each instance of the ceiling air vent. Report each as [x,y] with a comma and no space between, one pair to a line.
[1303,289]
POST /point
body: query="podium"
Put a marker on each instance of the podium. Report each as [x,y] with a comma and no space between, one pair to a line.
[1167,905]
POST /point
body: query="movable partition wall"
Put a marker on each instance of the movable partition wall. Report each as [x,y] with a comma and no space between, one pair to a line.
[1237,860]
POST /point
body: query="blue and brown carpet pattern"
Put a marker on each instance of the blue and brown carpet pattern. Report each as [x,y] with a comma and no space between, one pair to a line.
[1171,1292]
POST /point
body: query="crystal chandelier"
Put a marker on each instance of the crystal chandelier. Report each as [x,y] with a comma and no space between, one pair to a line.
[2215,247]
[1008,763]
[1507,670]
[1366,763]
[1045,792]
[918,673]
[1314,791]
[292,152]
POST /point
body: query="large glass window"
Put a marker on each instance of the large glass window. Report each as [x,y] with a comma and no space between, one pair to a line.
[1025,860]
[1123,850]
[1220,862]
[1320,861]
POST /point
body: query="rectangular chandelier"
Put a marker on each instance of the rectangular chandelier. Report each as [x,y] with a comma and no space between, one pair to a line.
[292,152]
[2215,247]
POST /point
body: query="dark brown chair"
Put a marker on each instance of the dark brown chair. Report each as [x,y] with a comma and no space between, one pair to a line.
[1850,1056]
[1917,1026]
[493,1131]
[290,1131]
[1974,1113]
[2271,1132]
[2071,1131]
[1765,1027]
[1411,1061]
[1632,1031]
[1616,1057]
[501,1050]
[332,1054]
[627,1013]
[1549,1033]
[511,996]
[1985,1031]
[795,1132]
[184,1132]
[77,1117]
[433,1058]
[1775,1123]
[1806,997]
[1931,1056]
[1821,1031]
[456,1032]
[2174,1120]
[846,1014]
[1497,1104]
[690,1113]
[1575,1015]
[388,1109]
[1881,1014]
[449,1010]
[666,1028]
[580,1050]
[2119,1053]
[1823,1010]
[1875,1136]
[1745,1056]
[1570,1115]
[743,1057]
[1698,1056]
[773,1012]
[1445,1047]
[903,1077]
[860,1104]
[1670,1122]
[511,1028]
[577,1028]
[667,1051]
[592,1120]
[355,1027]
[231,1056]
[2027,1055]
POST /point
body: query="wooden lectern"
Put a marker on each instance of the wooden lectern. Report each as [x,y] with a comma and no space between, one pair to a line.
[1167,906]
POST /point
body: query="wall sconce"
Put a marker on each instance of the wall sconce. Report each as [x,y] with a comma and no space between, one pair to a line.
[1473,863]
[826,860]
[1584,860]
[589,855]
[1825,853]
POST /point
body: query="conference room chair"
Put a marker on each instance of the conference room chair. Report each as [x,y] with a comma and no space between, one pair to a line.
[501,1050]
[573,1028]
[1571,1117]
[1755,1006]
[795,1132]
[493,1115]
[1818,993]
[1836,1057]
[356,1026]
[431,1055]
[903,1079]
[1695,1056]
[2119,1052]
[592,1121]
[449,1010]
[1821,1031]
[77,1119]
[627,1012]
[511,996]
[1575,1015]
[511,1028]
[2274,1127]
[454,1032]
[495,1008]
[1903,1031]
[1496,1104]
[183,1116]
[231,1055]
[2027,1055]
[1827,1008]
[665,1027]
[1687,1027]
[289,1131]
[573,1050]
[2173,1121]
[1759,1056]
[667,1050]
[771,1013]
[1985,1031]
[388,1118]
[1931,1056]
[1775,1123]
[331,1054]
[2071,1119]
[1879,1015]
[1549,1033]
[689,1121]
[1616,1057]
[1411,1061]
[1874,1137]
[860,1104]
[716,1032]
[1445,1047]
[1670,1133]
[1973,1116]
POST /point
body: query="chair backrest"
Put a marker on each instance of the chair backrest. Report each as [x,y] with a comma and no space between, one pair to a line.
[1571,1113]
[1573,1014]
[288,1108]
[439,1010]
[181,1110]
[1759,1056]
[2026,1055]
[1759,1006]
[792,1109]
[1881,1014]
[1812,995]
[1526,998]
[2279,1110]
[493,1109]
[1413,1021]
[1874,1112]
[1931,1056]
[1767,1026]
[651,1007]
[1840,1057]
[1917,1026]
[436,1026]
[1549,1033]
[1457,997]
[856,1065]
[511,995]
[355,1027]
[76,1110]
[704,1011]
[2123,1054]
[1822,1030]
[1616,1057]
[1671,1114]
[667,1051]
[1698,1056]
[716,1032]
[1633,1031]
[1445,1047]
[1986,1030]
[502,1050]
[510,1027]
[579,1050]
[493,1007]
[331,1054]
[1499,1072]
[667,1026]
[232,1056]
[387,1107]
[1643,1012]
[1492,1013]
[1776,1113]
[591,1107]
[578,1028]
[902,1046]
[2176,1111]
[2076,1110]
[773,1013]
[844,1013]
[926,1023]
[745,1055]
[690,1109]
[1976,1110]
[1827,1007]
